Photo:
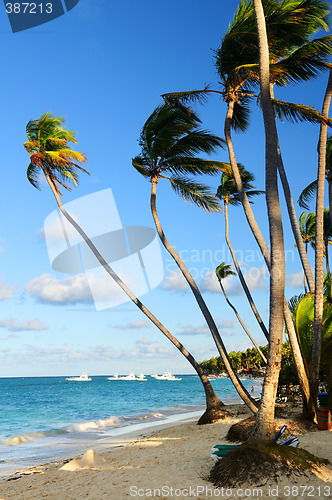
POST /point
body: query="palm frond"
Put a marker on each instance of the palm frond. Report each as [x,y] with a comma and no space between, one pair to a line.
[241,114]
[307,194]
[138,164]
[224,271]
[298,113]
[32,175]
[195,193]
[186,97]
[194,166]
[192,143]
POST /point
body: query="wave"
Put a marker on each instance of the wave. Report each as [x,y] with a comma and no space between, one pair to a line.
[80,427]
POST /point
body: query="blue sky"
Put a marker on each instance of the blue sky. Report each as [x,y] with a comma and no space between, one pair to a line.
[104,66]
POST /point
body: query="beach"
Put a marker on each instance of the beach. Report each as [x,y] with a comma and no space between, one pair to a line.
[171,461]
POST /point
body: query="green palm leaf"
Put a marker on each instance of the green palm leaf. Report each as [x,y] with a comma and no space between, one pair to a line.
[50,152]
[298,113]
[196,193]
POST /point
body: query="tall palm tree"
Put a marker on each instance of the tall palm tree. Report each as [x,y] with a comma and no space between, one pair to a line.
[228,193]
[51,154]
[170,140]
[224,271]
[319,247]
[264,424]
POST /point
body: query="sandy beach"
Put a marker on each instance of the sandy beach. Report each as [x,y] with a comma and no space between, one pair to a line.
[171,462]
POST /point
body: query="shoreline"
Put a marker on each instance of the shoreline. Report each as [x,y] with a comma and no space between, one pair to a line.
[174,456]
[114,437]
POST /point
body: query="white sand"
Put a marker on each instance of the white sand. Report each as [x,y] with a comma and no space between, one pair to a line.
[171,463]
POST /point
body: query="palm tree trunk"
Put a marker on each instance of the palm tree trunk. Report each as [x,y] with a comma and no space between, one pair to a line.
[293,217]
[243,393]
[294,223]
[298,359]
[326,249]
[241,277]
[213,403]
[264,424]
[319,248]
[241,322]
[330,199]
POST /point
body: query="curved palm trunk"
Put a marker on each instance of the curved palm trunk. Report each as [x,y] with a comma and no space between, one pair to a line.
[241,322]
[263,429]
[213,403]
[293,217]
[294,223]
[243,393]
[319,248]
[241,277]
[298,359]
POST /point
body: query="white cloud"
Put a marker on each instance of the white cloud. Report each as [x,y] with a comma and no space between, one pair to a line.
[223,325]
[72,290]
[175,281]
[256,279]
[33,324]
[6,291]
[149,349]
[66,355]
[295,280]
[54,229]
[133,325]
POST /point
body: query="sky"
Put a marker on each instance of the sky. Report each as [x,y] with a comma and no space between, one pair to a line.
[104,66]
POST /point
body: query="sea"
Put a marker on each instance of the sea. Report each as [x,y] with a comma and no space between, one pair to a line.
[45,419]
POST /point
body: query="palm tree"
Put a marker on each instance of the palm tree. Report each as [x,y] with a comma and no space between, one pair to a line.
[264,424]
[327,235]
[307,229]
[227,192]
[170,140]
[293,57]
[52,155]
[224,271]
[319,247]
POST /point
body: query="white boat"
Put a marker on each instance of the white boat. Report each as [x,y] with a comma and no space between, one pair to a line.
[167,376]
[82,378]
[131,376]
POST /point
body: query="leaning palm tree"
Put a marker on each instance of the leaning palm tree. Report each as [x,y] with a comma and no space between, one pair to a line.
[327,235]
[170,140]
[307,229]
[228,193]
[224,271]
[51,154]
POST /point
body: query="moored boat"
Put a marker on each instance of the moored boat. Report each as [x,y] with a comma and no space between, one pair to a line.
[167,376]
[82,378]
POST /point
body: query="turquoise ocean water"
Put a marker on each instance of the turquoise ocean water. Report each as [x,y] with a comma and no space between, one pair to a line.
[44,418]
